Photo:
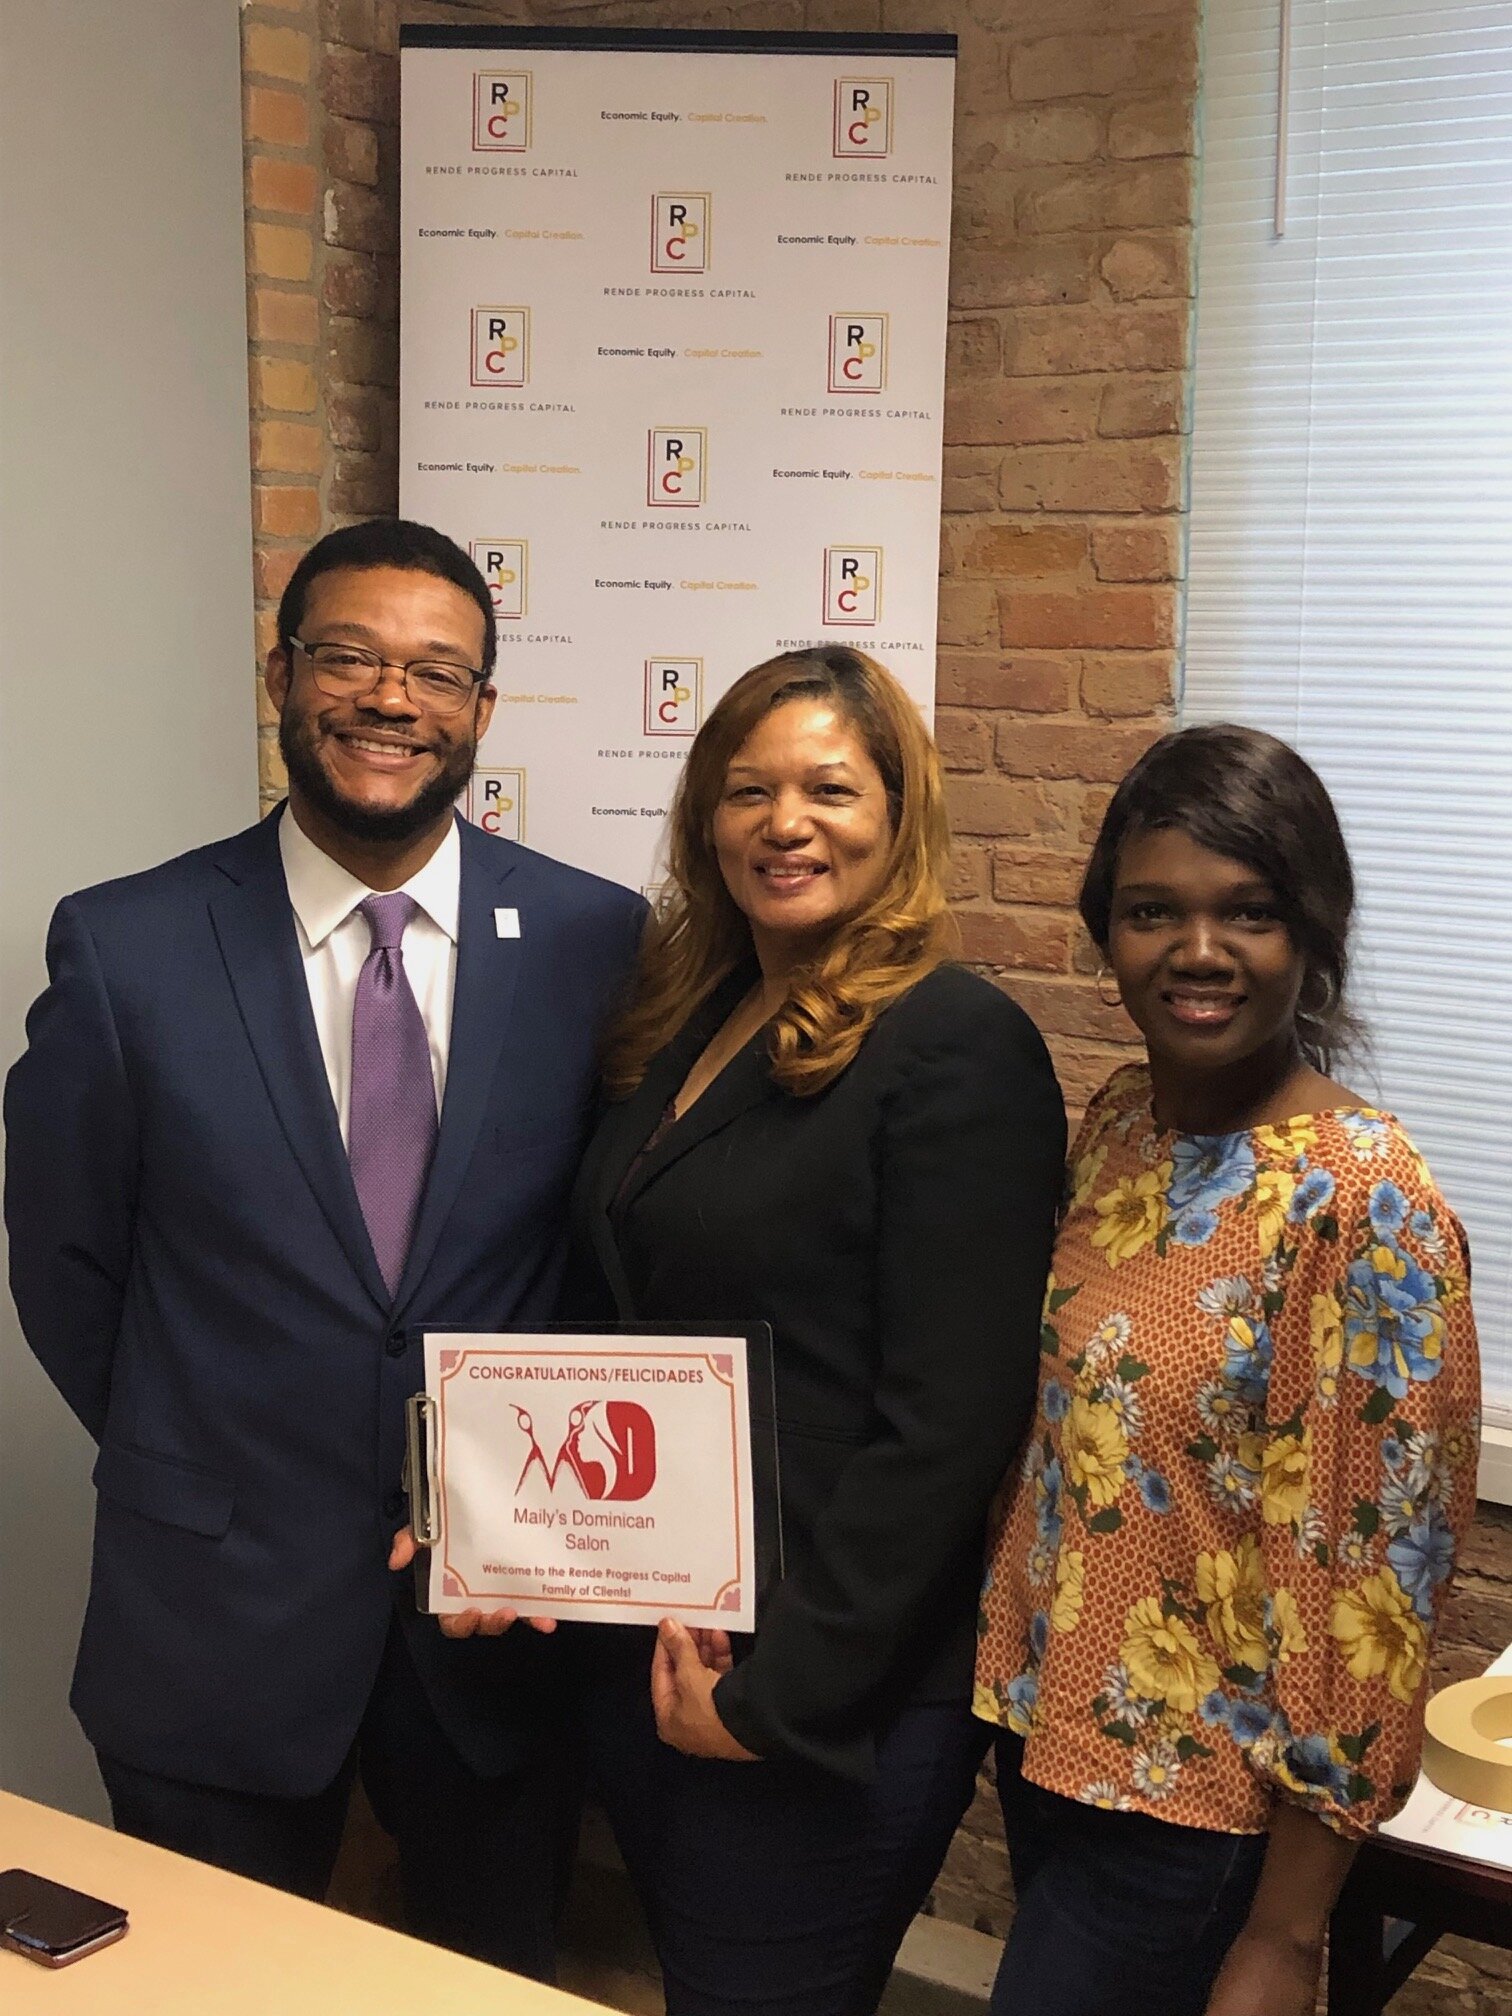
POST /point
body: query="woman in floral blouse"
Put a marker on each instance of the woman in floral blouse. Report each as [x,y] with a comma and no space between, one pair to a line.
[1207,1621]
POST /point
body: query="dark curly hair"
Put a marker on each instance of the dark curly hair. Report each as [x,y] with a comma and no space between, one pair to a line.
[1244,794]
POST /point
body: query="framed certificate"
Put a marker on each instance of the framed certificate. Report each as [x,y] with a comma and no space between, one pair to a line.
[614,1476]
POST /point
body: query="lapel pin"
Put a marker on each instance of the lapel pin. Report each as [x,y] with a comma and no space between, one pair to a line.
[507,923]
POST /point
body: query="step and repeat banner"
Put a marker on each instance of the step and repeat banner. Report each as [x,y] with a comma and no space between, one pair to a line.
[672,369]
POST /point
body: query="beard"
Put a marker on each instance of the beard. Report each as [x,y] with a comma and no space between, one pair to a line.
[392,825]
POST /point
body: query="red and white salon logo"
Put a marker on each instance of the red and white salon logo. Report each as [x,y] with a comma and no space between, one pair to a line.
[863,118]
[609,1449]
[676,460]
[501,111]
[852,584]
[857,353]
[680,227]
[500,346]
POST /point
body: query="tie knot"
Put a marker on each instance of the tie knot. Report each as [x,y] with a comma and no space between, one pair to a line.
[388,918]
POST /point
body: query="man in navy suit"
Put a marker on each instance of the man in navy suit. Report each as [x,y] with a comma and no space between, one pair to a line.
[288,1101]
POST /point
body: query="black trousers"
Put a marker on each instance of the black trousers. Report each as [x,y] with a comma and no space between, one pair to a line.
[772,1889]
[484,1863]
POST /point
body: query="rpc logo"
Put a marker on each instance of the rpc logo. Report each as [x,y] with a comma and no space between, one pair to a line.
[680,226]
[500,346]
[505,566]
[501,111]
[609,1447]
[852,584]
[674,696]
[676,459]
[863,118]
[496,802]
[858,353]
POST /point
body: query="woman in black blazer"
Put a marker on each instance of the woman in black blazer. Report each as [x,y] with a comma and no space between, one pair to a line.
[861,1145]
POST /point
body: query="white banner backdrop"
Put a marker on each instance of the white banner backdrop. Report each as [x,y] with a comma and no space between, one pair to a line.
[672,369]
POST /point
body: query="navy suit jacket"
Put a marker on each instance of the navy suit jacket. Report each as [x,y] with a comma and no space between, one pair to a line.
[191,1267]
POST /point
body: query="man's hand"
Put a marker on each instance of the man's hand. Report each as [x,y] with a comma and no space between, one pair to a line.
[685,1669]
[1266,1974]
[467,1623]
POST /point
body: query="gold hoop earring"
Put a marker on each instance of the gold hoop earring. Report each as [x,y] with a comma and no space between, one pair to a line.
[1113,1000]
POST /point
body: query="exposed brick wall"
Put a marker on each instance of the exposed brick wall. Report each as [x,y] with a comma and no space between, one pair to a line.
[1062,549]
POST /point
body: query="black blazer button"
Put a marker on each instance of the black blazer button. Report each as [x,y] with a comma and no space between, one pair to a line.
[397,1345]
[394,1503]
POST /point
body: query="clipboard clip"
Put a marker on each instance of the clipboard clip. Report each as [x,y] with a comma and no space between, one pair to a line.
[419,1476]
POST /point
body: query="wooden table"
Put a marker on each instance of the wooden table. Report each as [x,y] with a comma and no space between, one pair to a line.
[1428,1894]
[203,1943]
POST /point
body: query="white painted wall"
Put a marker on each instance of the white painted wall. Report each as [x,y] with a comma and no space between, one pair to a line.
[126,708]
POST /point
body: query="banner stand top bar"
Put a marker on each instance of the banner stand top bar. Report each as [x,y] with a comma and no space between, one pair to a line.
[694,41]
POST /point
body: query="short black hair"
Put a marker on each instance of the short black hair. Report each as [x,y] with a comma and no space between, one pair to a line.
[388,542]
[1247,795]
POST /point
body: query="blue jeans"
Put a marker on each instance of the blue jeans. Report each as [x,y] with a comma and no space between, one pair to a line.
[1116,1911]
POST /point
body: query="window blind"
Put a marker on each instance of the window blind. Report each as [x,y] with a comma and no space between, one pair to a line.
[1350,564]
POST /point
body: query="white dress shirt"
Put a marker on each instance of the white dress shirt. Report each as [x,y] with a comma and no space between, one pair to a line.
[334,942]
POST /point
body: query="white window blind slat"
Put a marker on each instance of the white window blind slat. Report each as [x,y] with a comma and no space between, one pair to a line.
[1350,563]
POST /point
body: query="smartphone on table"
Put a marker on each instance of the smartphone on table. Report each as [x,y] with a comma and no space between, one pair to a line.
[51,1924]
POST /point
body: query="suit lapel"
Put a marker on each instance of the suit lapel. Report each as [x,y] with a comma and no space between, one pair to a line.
[254,926]
[743,1083]
[488,974]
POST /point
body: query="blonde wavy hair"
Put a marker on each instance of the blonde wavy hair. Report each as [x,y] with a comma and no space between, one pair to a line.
[699,934]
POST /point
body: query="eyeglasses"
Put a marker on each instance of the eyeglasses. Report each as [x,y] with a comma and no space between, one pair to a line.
[348,672]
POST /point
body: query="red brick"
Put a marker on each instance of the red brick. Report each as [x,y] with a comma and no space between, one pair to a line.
[284,385]
[1030,685]
[1084,1068]
[358,84]
[1025,551]
[277,118]
[361,353]
[1028,137]
[1008,410]
[351,151]
[973,349]
[1094,805]
[969,480]
[287,447]
[271,568]
[280,317]
[364,486]
[1154,267]
[357,219]
[267,713]
[276,52]
[1128,683]
[968,613]
[354,419]
[1071,1008]
[1099,64]
[1076,338]
[964,740]
[1149,550]
[1130,619]
[1123,197]
[1134,408]
[281,251]
[1091,751]
[1164,125]
[1038,939]
[285,186]
[286,510]
[1100,478]
[350,284]
[970,873]
[265,633]
[1006,275]
[1035,875]
[1015,810]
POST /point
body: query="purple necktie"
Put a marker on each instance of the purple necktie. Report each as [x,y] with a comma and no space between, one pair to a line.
[391,1131]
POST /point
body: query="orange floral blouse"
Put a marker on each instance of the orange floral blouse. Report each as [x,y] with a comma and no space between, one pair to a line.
[1218,1578]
